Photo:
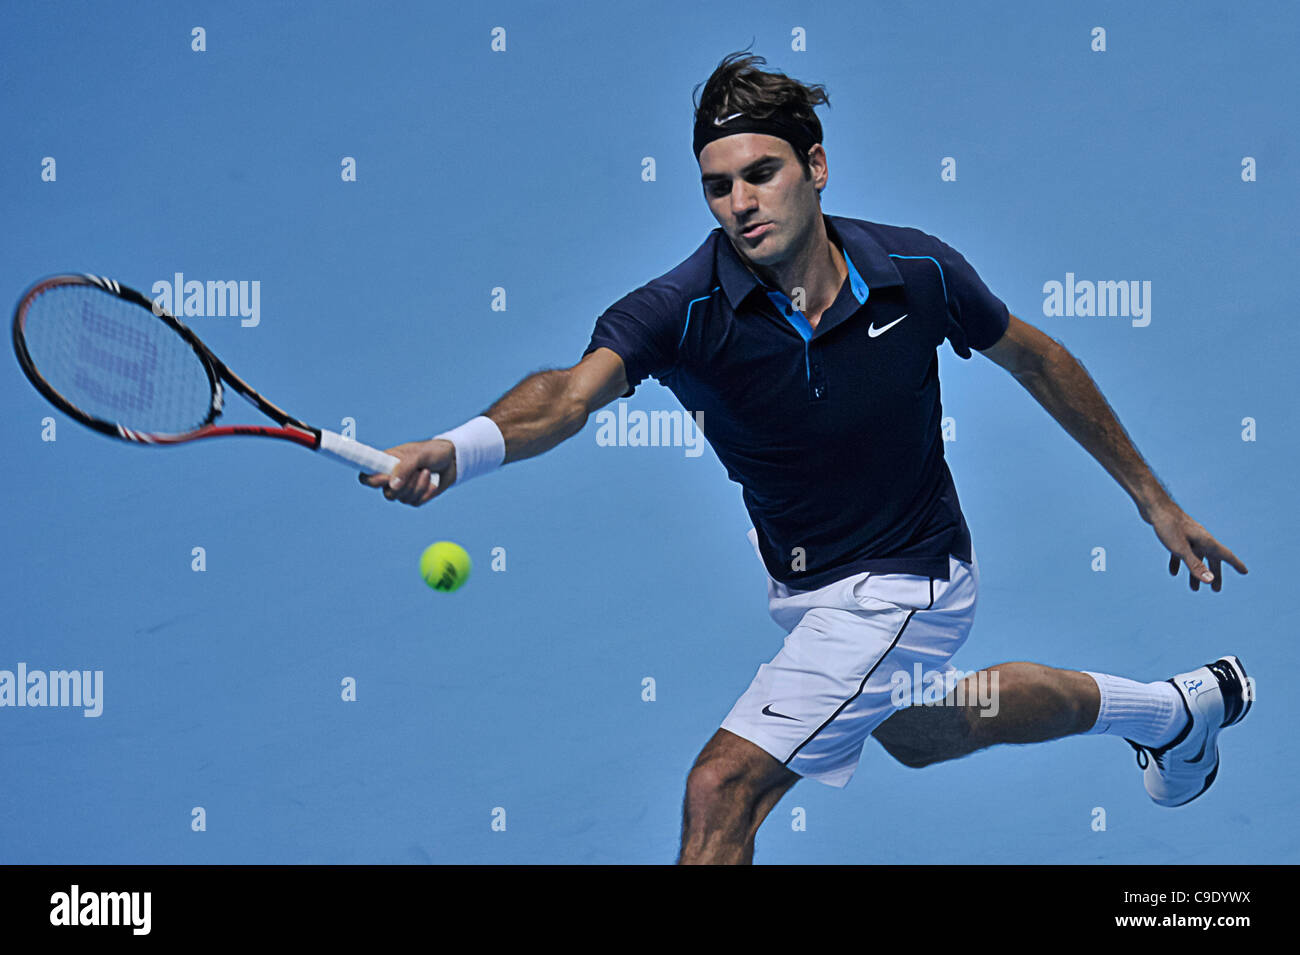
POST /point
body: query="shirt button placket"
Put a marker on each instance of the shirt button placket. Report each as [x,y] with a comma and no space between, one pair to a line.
[817,384]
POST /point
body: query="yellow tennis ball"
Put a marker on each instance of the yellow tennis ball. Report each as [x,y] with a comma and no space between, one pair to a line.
[444,566]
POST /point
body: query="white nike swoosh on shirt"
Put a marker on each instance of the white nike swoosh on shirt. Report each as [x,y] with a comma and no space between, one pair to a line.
[873,331]
[719,122]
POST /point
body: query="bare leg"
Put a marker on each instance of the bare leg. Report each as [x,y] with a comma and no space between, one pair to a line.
[1034,703]
[729,792]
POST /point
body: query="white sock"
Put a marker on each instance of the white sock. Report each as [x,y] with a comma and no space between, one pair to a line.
[1150,714]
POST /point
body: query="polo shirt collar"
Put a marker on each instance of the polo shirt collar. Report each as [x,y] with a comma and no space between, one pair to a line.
[868,264]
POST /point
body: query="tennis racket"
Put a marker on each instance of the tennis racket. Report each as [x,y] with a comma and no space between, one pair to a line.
[107,357]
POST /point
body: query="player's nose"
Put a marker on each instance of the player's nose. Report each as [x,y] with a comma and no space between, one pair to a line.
[743,203]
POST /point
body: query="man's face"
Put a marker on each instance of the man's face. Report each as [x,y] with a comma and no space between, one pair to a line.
[756,190]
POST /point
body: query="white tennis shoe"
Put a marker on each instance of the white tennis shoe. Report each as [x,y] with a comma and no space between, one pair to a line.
[1215,696]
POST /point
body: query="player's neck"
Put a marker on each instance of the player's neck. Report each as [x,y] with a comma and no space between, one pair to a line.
[818,268]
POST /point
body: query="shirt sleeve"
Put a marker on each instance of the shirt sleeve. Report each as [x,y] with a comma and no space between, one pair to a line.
[644,329]
[976,317]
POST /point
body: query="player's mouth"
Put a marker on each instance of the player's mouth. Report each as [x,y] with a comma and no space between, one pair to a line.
[757,231]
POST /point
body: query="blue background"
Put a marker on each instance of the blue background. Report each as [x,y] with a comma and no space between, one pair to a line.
[523,170]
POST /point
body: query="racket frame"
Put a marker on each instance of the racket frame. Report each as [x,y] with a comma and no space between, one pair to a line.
[287,427]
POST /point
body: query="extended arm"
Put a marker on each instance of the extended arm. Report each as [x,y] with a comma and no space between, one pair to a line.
[551,406]
[537,414]
[1063,387]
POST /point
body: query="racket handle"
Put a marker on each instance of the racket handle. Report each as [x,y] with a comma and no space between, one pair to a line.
[369,459]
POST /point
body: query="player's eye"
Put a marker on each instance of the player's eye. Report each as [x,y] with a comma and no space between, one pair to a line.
[719,189]
[723,189]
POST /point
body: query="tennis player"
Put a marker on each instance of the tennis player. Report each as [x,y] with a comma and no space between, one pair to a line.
[809,342]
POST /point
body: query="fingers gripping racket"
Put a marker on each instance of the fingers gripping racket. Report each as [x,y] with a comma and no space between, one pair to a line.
[106,356]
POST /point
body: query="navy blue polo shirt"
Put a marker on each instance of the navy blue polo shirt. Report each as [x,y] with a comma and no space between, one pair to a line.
[833,433]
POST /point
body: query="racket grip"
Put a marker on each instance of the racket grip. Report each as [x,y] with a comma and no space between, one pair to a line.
[369,459]
[354,452]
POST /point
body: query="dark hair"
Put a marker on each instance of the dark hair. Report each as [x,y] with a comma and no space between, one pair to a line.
[737,85]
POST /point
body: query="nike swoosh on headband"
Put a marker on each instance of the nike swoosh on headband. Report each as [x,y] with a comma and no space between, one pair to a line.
[719,122]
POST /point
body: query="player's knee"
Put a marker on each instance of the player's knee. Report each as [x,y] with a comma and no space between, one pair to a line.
[715,780]
[922,735]
[723,787]
[915,760]
[909,757]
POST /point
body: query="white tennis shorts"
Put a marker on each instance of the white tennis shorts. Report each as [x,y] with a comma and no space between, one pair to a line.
[854,651]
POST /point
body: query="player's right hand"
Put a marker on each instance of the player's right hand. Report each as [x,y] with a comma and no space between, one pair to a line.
[411,481]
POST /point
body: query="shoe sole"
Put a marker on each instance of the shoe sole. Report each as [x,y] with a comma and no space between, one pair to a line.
[1208,780]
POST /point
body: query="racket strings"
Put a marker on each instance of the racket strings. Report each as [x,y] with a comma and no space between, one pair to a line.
[116,361]
[112,355]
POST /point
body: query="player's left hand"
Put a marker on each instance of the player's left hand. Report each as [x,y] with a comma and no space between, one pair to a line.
[1188,542]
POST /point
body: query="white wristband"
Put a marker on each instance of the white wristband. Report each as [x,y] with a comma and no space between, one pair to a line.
[480,448]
